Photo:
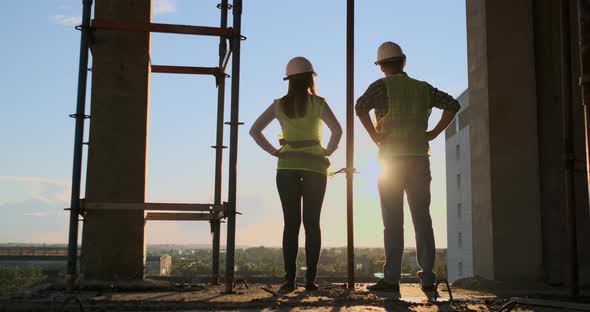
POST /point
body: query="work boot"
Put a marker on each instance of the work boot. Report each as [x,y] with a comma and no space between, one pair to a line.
[287,287]
[383,285]
[311,287]
[428,288]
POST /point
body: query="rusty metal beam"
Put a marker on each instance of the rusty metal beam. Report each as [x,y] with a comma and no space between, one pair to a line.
[350,138]
[163,28]
[584,28]
[170,216]
[233,150]
[151,206]
[72,271]
[226,62]
[215,225]
[189,70]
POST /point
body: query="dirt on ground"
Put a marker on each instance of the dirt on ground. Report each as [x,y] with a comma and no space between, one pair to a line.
[253,297]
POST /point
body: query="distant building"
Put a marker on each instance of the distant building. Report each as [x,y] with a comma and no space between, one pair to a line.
[165,265]
[459,222]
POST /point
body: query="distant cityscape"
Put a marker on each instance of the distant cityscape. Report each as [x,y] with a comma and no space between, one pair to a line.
[194,261]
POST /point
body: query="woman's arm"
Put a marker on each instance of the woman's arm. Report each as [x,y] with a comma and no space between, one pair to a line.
[256,131]
[335,129]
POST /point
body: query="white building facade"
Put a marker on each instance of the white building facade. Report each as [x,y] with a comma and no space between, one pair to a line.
[459,222]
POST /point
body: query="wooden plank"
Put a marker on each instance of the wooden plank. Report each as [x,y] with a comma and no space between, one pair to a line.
[163,28]
[570,306]
[170,216]
[190,70]
[151,206]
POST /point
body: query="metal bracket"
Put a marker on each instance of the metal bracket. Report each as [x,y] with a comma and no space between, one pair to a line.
[212,223]
[243,282]
[229,123]
[226,7]
[81,27]
[347,170]
[448,289]
[217,146]
[219,77]
[77,116]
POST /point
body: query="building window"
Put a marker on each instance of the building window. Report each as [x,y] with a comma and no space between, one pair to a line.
[459,181]
[460,239]
[459,211]
[458,152]
[460,267]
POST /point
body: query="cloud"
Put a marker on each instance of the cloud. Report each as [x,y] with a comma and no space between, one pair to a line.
[29,179]
[164,7]
[38,214]
[48,191]
[67,20]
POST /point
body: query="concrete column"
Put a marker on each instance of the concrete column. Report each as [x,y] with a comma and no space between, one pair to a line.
[507,240]
[113,244]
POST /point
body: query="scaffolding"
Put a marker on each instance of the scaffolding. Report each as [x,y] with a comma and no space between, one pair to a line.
[213,213]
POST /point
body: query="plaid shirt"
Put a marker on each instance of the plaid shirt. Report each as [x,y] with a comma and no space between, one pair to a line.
[376,98]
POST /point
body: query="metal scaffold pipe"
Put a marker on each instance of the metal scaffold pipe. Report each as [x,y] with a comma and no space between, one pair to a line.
[233,146]
[584,25]
[216,225]
[350,137]
[78,145]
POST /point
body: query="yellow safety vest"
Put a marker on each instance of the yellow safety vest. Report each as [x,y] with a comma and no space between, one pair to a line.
[302,138]
[403,129]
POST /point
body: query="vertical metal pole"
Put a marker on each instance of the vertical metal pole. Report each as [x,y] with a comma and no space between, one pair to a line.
[233,146]
[584,25]
[215,225]
[568,138]
[350,137]
[78,144]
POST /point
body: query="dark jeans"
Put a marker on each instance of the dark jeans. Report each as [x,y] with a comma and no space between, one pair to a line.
[412,175]
[293,186]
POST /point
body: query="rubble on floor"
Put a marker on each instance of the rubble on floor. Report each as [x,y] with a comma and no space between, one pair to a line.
[254,297]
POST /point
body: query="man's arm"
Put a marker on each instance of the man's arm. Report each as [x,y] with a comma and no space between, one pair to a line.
[374,98]
[365,119]
[443,123]
[450,107]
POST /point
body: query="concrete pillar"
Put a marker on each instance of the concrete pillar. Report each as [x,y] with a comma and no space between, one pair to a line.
[548,48]
[113,243]
[507,241]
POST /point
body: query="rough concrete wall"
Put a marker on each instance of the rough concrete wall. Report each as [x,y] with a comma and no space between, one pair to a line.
[504,145]
[580,170]
[551,143]
[550,66]
[113,241]
[483,248]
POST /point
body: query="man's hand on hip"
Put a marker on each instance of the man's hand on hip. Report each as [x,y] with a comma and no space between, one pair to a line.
[431,135]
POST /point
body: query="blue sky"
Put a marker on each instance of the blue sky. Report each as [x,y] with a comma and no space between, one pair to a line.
[39,58]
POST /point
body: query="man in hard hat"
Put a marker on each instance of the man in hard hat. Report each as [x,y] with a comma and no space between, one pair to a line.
[402,106]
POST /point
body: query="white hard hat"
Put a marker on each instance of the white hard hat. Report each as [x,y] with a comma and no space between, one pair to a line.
[389,51]
[299,65]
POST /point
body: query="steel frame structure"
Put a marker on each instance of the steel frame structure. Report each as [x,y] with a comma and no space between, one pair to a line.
[212,213]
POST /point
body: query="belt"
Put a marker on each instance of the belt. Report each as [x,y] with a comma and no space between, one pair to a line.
[299,144]
[303,155]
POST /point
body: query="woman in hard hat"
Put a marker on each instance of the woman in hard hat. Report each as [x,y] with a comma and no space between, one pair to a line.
[302,164]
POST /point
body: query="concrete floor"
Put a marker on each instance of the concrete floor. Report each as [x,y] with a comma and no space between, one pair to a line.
[330,298]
